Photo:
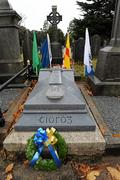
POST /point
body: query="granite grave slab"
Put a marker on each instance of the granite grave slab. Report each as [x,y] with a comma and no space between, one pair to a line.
[56,101]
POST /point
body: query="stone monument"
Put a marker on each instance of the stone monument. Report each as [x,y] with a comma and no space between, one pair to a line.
[54,18]
[107,74]
[56,101]
[10,62]
[95,45]
[78,51]
[27,47]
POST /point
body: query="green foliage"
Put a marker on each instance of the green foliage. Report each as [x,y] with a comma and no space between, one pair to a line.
[97,16]
[47,164]
[79,68]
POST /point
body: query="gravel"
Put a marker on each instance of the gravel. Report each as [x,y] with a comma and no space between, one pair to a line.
[7,96]
[109,108]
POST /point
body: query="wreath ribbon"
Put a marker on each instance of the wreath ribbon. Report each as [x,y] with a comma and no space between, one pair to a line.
[45,138]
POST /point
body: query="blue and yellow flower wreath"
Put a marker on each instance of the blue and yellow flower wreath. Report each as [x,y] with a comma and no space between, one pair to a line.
[48,139]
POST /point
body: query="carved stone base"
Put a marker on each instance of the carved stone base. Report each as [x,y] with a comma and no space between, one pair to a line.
[108,65]
[104,88]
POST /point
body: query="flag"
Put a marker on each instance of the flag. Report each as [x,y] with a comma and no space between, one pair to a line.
[36,61]
[49,49]
[66,60]
[87,56]
[46,53]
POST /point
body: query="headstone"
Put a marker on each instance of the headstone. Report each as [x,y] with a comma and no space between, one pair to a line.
[95,45]
[10,61]
[54,18]
[107,74]
[104,43]
[27,47]
[56,102]
[79,50]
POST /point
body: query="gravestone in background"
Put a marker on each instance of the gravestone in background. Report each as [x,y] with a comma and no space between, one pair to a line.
[10,61]
[56,102]
[107,74]
[27,47]
[95,45]
[54,18]
[78,51]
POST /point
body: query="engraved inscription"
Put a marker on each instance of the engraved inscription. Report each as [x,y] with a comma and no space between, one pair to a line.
[60,119]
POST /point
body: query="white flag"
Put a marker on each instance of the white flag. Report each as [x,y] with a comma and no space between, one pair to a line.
[49,49]
[87,55]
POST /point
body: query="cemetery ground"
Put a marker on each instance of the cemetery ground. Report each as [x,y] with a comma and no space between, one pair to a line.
[100,167]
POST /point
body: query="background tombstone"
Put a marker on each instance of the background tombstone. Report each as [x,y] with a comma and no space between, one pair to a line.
[78,52]
[10,61]
[107,74]
[54,18]
[27,47]
[95,45]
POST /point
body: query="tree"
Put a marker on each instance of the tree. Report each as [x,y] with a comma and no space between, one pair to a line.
[97,16]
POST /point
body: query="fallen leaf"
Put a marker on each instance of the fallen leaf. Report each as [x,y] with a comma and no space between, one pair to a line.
[118,167]
[9,177]
[3,153]
[9,168]
[104,175]
[92,175]
[76,169]
[114,173]
[84,168]
[26,163]
[89,92]
[39,178]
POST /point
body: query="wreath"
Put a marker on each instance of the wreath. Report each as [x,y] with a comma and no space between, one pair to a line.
[46,150]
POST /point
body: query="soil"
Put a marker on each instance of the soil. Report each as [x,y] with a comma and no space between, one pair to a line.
[75,168]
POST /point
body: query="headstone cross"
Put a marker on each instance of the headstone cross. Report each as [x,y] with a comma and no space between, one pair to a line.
[54,17]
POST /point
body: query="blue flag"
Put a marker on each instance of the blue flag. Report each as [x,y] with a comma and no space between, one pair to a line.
[46,53]
[89,71]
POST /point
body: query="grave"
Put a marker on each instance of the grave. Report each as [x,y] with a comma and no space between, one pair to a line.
[27,47]
[55,101]
[78,51]
[107,74]
[95,45]
[10,61]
